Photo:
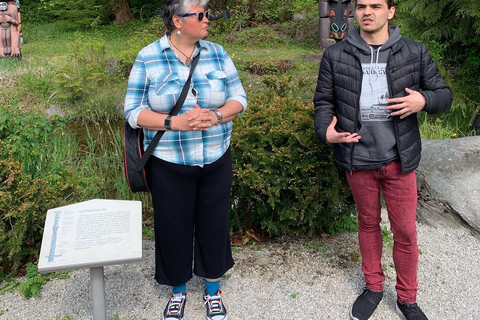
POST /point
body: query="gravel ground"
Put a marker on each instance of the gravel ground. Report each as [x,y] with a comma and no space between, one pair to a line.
[282,279]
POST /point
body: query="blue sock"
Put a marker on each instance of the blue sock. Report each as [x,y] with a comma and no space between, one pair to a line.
[180,288]
[212,287]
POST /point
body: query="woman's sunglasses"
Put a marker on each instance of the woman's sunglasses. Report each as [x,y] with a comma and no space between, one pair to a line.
[199,15]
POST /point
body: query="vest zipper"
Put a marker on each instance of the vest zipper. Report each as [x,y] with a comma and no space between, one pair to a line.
[390,93]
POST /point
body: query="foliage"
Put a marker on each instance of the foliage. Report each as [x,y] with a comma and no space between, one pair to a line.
[44,166]
[254,12]
[284,180]
[75,14]
[260,37]
[24,136]
[36,174]
[85,70]
[34,282]
[81,81]
[451,30]
[9,283]
[24,202]
[145,10]
[141,38]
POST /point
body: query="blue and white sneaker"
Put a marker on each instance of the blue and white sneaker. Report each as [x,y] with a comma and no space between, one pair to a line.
[175,306]
[215,308]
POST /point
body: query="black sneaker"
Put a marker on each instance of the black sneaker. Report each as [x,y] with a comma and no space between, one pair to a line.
[410,311]
[175,306]
[365,305]
[215,308]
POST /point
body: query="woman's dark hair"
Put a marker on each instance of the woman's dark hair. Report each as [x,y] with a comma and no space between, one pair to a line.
[178,8]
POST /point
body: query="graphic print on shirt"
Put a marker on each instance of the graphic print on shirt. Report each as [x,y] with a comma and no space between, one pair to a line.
[373,101]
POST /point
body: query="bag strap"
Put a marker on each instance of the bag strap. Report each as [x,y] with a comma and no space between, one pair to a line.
[174,112]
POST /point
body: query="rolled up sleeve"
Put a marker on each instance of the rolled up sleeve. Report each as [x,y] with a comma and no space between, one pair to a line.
[235,89]
[136,98]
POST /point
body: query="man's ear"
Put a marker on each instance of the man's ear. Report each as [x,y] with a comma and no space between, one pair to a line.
[391,13]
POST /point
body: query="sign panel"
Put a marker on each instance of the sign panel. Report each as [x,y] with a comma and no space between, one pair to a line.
[91,234]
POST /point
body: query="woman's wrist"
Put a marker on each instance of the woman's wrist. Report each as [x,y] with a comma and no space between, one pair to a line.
[173,123]
[218,116]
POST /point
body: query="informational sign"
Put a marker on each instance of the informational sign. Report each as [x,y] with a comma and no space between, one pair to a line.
[91,234]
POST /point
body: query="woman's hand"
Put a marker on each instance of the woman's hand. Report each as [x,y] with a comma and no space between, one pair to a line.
[195,119]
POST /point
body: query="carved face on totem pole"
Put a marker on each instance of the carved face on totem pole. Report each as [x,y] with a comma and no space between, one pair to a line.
[336,18]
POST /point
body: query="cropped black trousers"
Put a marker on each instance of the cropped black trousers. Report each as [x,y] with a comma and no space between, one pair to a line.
[191,207]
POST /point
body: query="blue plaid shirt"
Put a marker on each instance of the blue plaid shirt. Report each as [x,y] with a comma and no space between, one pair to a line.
[155,83]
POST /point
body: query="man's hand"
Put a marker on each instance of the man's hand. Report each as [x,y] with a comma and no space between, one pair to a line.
[405,106]
[340,137]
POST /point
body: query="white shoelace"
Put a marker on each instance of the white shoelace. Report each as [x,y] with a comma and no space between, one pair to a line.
[214,304]
[175,304]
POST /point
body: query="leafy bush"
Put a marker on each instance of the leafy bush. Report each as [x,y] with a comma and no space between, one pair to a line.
[284,179]
[34,282]
[44,165]
[264,11]
[35,175]
[86,70]
[74,13]
[24,137]
[24,202]
[451,30]
[143,37]
[80,83]
[260,38]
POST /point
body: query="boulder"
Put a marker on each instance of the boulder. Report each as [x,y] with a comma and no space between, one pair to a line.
[448,181]
[55,110]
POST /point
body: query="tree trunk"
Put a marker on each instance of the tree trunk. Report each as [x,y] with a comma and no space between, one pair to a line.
[122,11]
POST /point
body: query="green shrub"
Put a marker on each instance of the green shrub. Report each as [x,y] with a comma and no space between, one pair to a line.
[85,71]
[24,202]
[74,13]
[34,282]
[24,136]
[145,35]
[260,38]
[80,83]
[284,179]
[36,85]
[45,165]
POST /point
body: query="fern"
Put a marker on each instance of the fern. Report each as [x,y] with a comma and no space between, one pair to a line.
[31,287]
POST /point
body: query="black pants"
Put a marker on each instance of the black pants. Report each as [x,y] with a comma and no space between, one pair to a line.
[191,201]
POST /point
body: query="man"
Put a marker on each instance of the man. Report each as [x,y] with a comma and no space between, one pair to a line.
[370,88]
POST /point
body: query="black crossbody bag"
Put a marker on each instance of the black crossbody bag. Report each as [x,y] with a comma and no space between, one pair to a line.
[134,157]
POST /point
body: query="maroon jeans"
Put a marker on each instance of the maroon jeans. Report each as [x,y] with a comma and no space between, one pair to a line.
[400,194]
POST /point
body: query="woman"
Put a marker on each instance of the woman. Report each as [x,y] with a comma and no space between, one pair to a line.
[190,173]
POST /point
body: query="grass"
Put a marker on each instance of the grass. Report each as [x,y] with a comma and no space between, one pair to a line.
[387,237]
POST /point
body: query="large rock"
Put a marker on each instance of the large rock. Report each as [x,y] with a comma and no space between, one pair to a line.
[448,181]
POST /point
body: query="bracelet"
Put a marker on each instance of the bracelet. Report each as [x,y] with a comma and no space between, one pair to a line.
[219,115]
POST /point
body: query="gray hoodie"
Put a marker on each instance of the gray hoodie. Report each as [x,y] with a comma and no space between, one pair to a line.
[377,147]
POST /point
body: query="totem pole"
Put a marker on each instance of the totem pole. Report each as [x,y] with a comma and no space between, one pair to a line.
[10,24]
[336,19]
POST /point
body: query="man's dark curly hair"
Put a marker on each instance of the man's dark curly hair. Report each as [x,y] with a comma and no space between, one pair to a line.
[389,3]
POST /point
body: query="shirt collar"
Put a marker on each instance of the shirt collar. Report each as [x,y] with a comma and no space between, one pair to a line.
[165,44]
